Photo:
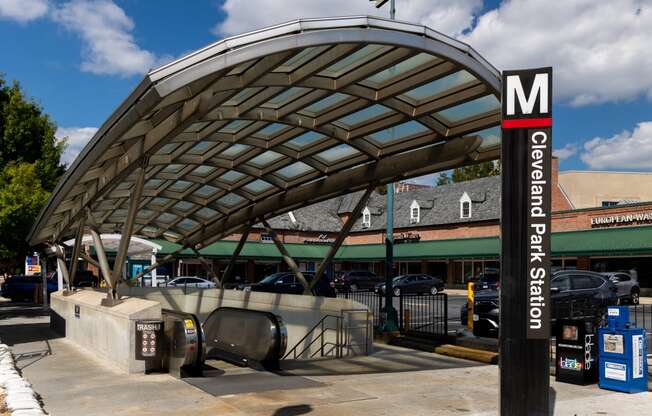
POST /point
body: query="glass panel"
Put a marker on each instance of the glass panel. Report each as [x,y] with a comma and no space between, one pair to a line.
[305,139]
[301,58]
[235,126]
[187,224]
[195,127]
[257,186]
[179,186]
[329,101]
[286,96]
[184,205]
[490,137]
[206,191]
[271,129]
[470,109]
[230,199]
[293,170]
[242,96]
[354,60]
[234,150]
[150,230]
[231,176]
[364,115]
[173,168]
[400,68]
[159,201]
[203,170]
[167,217]
[206,213]
[399,132]
[144,213]
[201,148]
[241,68]
[167,148]
[265,158]
[337,153]
[440,85]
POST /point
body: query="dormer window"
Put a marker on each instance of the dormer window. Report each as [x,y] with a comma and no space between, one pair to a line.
[415,212]
[465,206]
[366,218]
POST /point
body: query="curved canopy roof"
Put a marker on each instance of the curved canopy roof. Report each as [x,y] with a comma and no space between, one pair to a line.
[262,123]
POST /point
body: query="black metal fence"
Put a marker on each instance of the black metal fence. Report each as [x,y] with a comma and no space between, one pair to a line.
[419,315]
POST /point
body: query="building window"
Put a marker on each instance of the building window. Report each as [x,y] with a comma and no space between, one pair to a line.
[465,206]
[415,212]
[265,238]
[366,218]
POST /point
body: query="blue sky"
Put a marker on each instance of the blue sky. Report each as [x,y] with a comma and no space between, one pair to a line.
[80,59]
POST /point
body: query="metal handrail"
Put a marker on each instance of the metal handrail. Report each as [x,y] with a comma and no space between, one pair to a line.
[318,337]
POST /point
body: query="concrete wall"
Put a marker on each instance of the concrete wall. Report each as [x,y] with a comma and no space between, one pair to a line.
[588,189]
[108,332]
[299,313]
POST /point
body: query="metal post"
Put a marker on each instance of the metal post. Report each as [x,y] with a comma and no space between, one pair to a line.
[287,258]
[44,274]
[234,256]
[153,274]
[392,9]
[62,269]
[170,257]
[342,235]
[75,252]
[128,228]
[208,268]
[101,256]
[390,324]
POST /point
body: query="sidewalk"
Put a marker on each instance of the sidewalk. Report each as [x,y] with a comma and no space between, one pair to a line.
[394,381]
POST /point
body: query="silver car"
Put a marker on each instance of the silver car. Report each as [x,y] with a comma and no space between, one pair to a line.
[190,281]
[627,285]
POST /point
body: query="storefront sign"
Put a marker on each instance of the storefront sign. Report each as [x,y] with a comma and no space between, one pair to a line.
[32,265]
[408,237]
[625,219]
[322,239]
[527,116]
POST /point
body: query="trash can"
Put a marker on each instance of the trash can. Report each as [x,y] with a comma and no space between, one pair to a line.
[577,352]
[623,353]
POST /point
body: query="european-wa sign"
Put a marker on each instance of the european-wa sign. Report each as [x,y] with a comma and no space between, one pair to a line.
[527,115]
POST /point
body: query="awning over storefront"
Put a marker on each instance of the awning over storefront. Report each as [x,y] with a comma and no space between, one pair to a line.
[258,124]
[609,242]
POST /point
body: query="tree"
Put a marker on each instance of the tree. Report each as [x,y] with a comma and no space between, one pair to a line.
[21,198]
[467,173]
[29,169]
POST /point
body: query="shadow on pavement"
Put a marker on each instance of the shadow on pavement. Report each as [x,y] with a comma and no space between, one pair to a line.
[300,409]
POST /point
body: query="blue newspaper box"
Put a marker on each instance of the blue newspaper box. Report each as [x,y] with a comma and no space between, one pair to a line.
[622,353]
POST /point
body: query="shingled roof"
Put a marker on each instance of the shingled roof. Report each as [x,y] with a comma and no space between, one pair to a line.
[438,206]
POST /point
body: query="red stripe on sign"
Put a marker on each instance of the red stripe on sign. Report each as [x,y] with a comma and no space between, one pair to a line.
[527,122]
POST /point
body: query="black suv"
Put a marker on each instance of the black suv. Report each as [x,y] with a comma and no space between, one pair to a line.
[573,293]
[286,282]
[413,283]
[350,281]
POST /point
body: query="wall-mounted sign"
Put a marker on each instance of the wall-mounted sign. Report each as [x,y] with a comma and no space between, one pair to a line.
[408,237]
[322,239]
[77,311]
[624,219]
[32,265]
[527,155]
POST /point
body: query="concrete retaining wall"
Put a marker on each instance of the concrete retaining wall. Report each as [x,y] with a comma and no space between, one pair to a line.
[299,313]
[108,332]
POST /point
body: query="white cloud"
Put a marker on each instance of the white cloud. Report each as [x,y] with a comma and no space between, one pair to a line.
[627,150]
[565,152]
[23,10]
[77,139]
[109,45]
[599,50]
[448,17]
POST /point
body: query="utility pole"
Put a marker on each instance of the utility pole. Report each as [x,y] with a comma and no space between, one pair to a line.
[391,318]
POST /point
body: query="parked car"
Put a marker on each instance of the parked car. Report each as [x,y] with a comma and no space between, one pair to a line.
[22,288]
[350,281]
[490,279]
[414,283]
[628,287]
[286,282]
[190,281]
[575,293]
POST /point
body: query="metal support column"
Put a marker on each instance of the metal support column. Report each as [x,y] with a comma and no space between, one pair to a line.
[89,259]
[101,256]
[286,257]
[75,252]
[342,235]
[44,275]
[208,268]
[234,256]
[154,282]
[390,324]
[62,268]
[128,228]
[168,258]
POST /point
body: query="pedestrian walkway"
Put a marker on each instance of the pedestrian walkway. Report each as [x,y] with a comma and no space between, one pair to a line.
[394,381]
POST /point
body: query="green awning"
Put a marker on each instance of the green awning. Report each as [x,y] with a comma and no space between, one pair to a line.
[604,242]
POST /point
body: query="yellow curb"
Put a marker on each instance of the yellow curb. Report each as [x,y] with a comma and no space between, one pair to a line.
[456,351]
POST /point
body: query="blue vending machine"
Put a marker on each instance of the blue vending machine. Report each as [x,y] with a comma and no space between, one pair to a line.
[622,353]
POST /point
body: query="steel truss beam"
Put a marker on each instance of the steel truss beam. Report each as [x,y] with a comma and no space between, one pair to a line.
[61,262]
[287,258]
[76,250]
[101,256]
[208,268]
[234,256]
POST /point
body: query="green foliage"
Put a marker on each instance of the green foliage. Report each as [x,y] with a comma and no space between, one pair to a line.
[21,199]
[467,173]
[29,169]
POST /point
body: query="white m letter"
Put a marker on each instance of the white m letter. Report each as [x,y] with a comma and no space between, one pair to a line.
[539,87]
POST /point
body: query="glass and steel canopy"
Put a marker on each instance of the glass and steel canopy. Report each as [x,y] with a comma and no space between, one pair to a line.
[255,125]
